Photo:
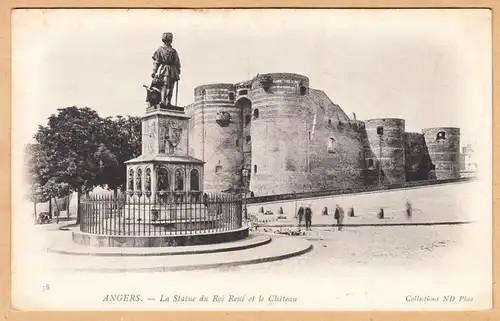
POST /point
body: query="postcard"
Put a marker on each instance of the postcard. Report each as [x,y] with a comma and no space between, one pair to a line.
[252,159]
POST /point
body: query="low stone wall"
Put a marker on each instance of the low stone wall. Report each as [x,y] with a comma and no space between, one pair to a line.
[354,190]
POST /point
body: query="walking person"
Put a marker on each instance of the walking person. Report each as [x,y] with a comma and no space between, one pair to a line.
[300,215]
[351,212]
[339,216]
[308,216]
[409,210]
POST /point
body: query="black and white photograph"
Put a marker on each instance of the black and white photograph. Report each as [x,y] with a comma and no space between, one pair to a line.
[251,159]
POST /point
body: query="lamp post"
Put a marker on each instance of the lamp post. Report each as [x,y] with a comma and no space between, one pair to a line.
[380,132]
[245,173]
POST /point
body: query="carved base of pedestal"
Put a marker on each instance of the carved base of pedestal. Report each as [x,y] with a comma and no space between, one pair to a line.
[164,107]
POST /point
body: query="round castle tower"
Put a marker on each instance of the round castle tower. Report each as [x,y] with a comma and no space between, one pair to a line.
[216,135]
[386,139]
[299,142]
[443,144]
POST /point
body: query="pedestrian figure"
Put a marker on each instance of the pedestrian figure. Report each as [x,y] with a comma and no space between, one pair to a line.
[308,216]
[300,214]
[325,211]
[380,214]
[351,212]
[409,210]
[339,216]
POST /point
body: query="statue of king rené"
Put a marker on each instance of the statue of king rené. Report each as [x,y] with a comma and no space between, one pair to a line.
[166,71]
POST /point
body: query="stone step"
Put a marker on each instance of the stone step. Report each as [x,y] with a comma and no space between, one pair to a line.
[281,247]
[64,245]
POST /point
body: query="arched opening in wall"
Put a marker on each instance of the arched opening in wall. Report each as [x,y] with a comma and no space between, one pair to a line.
[332,145]
[248,139]
[256,113]
[237,143]
[231,96]
[329,121]
[441,136]
[194,180]
[138,180]
[255,169]
[179,180]
[131,180]
[380,130]
[371,164]
[302,89]
[218,169]
[147,184]
[245,105]
[162,179]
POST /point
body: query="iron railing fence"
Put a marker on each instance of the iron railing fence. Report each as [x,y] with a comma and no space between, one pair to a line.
[165,213]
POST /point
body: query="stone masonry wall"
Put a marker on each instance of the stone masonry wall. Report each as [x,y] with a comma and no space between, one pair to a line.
[389,148]
[284,159]
[443,144]
[417,162]
[216,135]
[293,138]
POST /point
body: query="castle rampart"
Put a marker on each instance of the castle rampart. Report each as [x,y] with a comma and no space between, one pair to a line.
[386,138]
[293,138]
[443,144]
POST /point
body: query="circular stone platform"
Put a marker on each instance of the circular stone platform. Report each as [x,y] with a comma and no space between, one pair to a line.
[200,238]
[258,248]
[69,248]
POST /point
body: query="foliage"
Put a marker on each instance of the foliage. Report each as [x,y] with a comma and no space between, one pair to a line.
[70,142]
[79,150]
[37,173]
[122,143]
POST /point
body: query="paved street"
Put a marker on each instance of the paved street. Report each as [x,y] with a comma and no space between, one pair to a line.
[443,203]
[372,246]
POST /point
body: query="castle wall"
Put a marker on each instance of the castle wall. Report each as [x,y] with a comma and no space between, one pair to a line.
[389,148]
[284,159]
[372,174]
[293,138]
[417,162]
[443,144]
[216,135]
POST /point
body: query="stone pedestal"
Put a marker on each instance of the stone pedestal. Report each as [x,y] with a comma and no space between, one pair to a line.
[164,165]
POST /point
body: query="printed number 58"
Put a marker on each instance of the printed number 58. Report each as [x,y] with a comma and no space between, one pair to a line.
[46,287]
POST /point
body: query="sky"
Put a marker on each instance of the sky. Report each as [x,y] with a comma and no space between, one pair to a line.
[430,67]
